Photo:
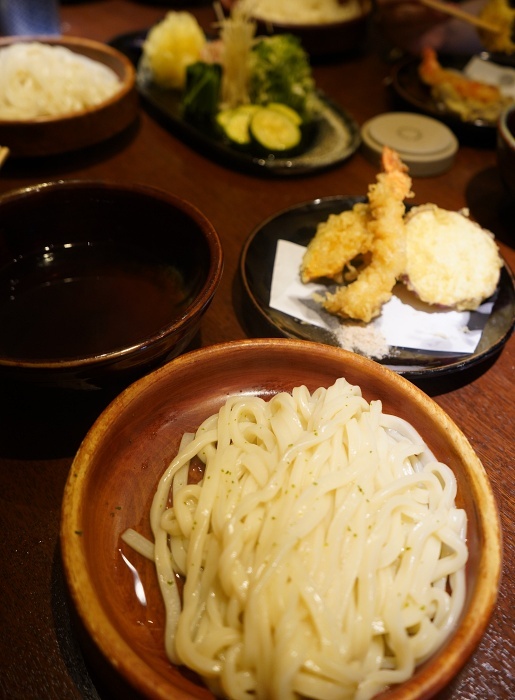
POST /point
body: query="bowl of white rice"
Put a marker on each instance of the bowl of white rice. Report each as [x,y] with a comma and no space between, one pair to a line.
[325,27]
[62,94]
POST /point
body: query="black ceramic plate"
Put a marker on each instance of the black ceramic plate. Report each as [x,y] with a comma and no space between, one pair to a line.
[298,224]
[337,137]
[412,91]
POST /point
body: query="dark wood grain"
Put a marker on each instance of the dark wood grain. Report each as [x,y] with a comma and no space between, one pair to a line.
[40,656]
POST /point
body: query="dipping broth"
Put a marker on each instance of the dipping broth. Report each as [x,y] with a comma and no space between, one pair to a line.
[86,299]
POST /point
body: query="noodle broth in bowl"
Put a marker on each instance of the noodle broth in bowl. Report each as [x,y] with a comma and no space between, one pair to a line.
[62,94]
[100,283]
[212,402]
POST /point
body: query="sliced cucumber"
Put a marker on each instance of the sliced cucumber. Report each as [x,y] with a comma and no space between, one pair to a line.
[287,111]
[234,123]
[269,129]
[274,131]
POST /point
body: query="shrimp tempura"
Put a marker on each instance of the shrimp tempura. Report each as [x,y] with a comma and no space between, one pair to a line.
[362,299]
[336,243]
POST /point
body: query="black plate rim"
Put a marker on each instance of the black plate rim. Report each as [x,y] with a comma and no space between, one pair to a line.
[454,365]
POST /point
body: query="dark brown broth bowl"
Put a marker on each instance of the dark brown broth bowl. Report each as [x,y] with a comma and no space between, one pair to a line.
[323,40]
[54,135]
[506,148]
[100,282]
[117,468]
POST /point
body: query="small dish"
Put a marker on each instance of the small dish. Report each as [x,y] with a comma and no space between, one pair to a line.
[116,470]
[75,131]
[337,138]
[298,224]
[425,145]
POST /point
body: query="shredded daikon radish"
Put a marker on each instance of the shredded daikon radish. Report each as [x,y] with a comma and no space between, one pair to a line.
[171,46]
[237,35]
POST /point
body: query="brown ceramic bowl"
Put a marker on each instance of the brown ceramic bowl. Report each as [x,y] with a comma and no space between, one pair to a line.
[117,468]
[506,148]
[50,136]
[100,282]
[323,40]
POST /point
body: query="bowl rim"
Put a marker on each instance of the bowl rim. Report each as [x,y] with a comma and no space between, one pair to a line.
[127,80]
[505,134]
[107,639]
[366,7]
[195,307]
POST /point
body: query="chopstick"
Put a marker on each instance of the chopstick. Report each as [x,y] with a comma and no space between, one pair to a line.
[4,152]
[454,11]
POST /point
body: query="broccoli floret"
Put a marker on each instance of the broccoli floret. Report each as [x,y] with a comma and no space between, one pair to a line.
[280,72]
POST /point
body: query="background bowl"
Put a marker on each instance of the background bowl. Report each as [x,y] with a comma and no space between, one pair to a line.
[117,468]
[506,148]
[100,282]
[50,136]
[321,41]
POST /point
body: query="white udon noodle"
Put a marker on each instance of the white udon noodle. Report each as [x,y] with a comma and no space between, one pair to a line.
[322,551]
[304,11]
[39,80]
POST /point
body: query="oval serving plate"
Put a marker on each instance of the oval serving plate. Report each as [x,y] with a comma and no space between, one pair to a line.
[298,225]
[338,135]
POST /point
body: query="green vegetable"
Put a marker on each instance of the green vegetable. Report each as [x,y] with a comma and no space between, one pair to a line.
[202,92]
[287,111]
[280,71]
[234,123]
[275,131]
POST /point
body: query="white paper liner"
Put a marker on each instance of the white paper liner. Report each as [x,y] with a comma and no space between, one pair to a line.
[404,321]
[487,72]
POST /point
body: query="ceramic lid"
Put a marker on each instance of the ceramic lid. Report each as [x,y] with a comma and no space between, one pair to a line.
[426,145]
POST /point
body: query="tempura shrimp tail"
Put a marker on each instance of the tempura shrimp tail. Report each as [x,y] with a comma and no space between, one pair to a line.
[439,78]
[362,300]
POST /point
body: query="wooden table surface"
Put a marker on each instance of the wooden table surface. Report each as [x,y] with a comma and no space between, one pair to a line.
[39,653]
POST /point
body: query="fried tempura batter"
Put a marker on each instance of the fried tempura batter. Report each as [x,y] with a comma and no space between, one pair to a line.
[362,300]
[502,14]
[469,99]
[446,259]
[451,260]
[336,243]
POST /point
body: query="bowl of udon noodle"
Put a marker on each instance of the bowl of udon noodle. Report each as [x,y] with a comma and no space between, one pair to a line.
[60,94]
[279,519]
[326,28]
